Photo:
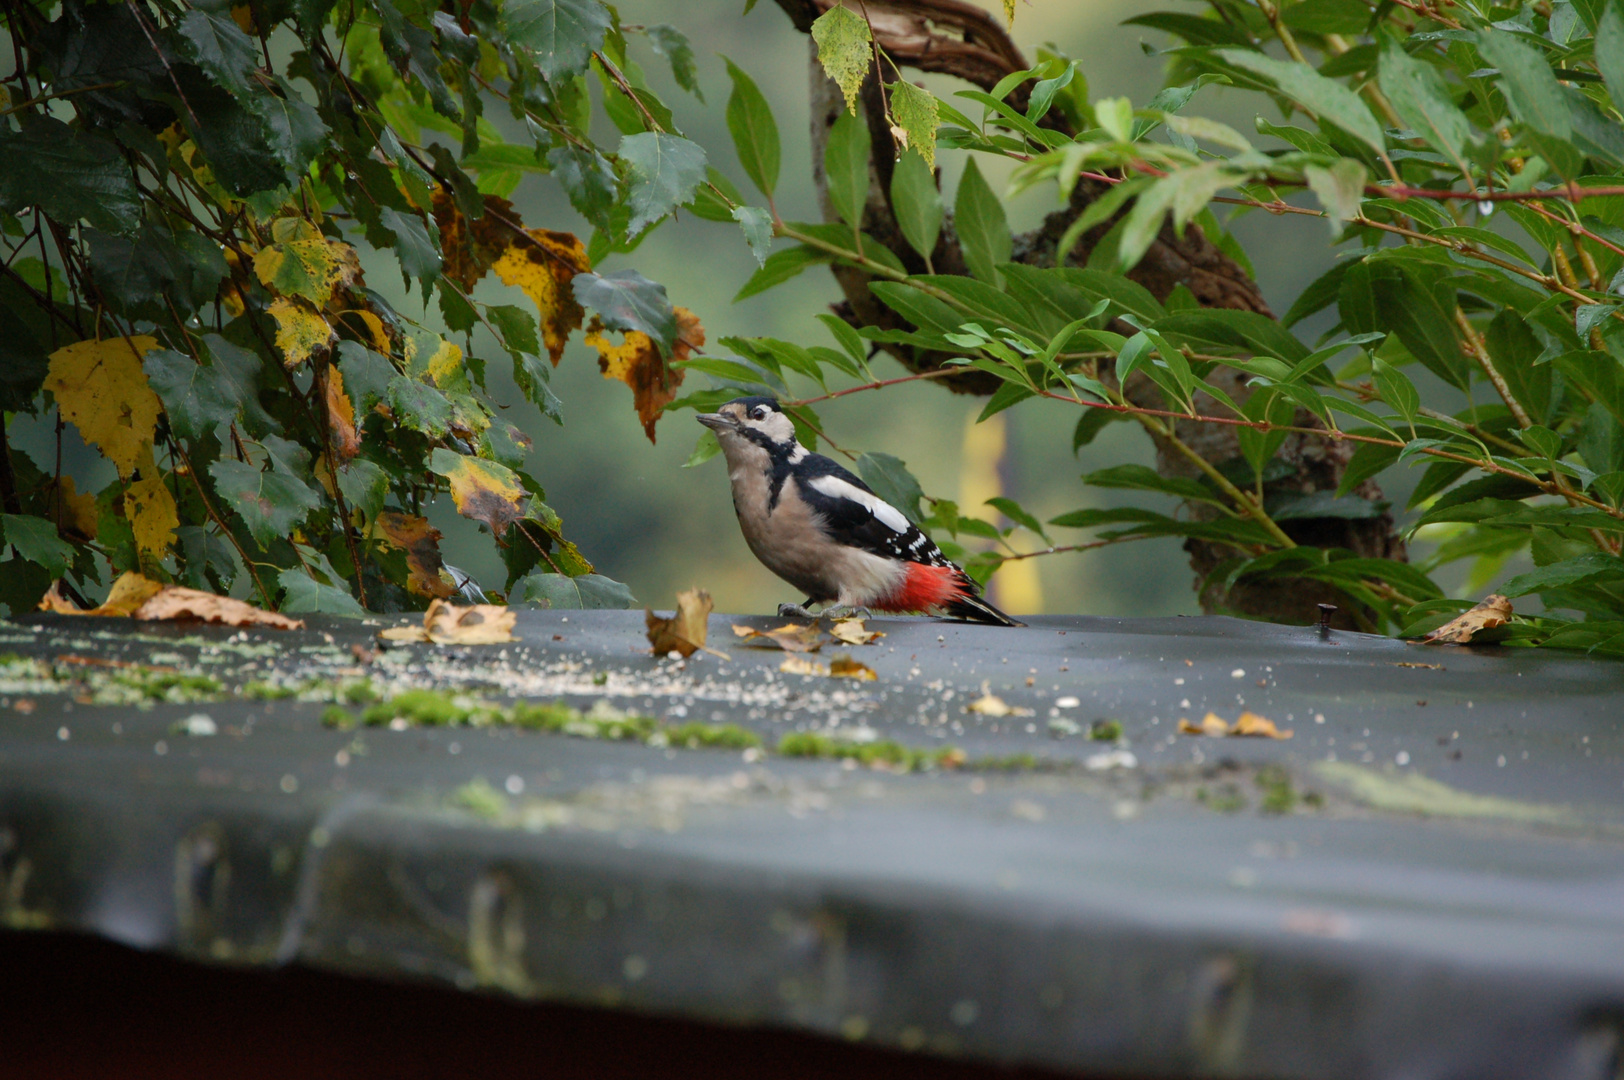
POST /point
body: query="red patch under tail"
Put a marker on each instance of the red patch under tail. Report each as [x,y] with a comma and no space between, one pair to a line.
[925,588]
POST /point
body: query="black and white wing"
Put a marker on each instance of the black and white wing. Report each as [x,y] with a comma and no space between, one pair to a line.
[854,515]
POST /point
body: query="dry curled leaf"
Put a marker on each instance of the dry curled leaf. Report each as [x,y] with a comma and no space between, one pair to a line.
[448,624]
[844,667]
[990,704]
[791,637]
[637,363]
[684,631]
[142,598]
[1493,611]
[1248,724]
[853,632]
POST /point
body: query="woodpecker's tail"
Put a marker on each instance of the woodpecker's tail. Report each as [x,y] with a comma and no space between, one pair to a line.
[972,608]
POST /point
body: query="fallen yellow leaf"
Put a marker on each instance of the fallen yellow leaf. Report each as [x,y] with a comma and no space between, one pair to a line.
[853,632]
[684,632]
[801,665]
[448,624]
[989,704]
[844,667]
[1493,611]
[1251,724]
[149,601]
[791,637]
[101,389]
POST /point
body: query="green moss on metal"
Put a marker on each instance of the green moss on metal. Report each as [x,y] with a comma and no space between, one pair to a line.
[882,753]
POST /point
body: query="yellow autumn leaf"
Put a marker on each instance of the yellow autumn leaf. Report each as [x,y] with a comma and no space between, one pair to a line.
[303,262]
[1009,11]
[369,327]
[843,40]
[341,417]
[445,368]
[300,330]
[74,514]
[485,491]
[543,263]
[100,388]
[637,363]
[150,508]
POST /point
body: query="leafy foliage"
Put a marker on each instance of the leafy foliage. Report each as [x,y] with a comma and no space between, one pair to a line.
[200,183]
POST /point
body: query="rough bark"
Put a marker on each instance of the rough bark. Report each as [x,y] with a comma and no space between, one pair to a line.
[954,38]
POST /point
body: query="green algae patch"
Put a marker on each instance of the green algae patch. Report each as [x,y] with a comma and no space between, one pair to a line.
[1105,730]
[707,737]
[432,708]
[879,753]
[176,687]
[480,799]
[1411,793]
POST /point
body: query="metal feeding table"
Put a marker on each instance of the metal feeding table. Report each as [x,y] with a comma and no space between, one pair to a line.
[1425,880]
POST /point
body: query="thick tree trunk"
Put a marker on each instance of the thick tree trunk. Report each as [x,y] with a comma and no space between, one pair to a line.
[954,38]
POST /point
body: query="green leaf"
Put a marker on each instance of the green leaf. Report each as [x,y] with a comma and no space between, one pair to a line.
[755,133]
[271,504]
[1324,504]
[367,375]
[561,35]
[1397,390]
[845,165]
[890,480]
[1221,329]
[1601,440]
[983,231]
[925,312]
[215,43]
[1530,87]
[704,449]
[156,271]
[1011,393]
[1144,478]
[916,203]
[588,179]
[1422,101]
[780,267]
[673,44]
[842,37]
[306,595]
[195,396]
[718,204]
[664,172]
[626,300]
[1609,45]
[1126,297]
[758,230]
[71,175]
[1013,510]
[420,406]
[1340,189]
[364,486]
[1090,424]
[916,112]
[1589,569]
[36,541]
[1327,99]
[418,253]
[588,591]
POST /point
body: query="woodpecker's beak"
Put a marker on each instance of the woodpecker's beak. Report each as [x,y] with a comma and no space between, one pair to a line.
[718,422]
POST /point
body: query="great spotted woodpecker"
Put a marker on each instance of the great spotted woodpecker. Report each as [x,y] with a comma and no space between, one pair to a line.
[825,532]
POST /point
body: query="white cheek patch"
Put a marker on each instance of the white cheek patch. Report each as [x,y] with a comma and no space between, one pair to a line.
[836,488]
[779,427]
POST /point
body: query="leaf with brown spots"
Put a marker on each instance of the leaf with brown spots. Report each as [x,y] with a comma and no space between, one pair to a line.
[637,363]
[1493,611]
[469,248]
[341,417]
[791,637]
[543,263]
[300,330]
[101,388]
[421,543]
[487,492]
[684,632]
[448,624]
[150,508]
[303,262]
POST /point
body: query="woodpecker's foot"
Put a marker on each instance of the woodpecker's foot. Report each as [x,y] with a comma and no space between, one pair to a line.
[845,611]
[795,611]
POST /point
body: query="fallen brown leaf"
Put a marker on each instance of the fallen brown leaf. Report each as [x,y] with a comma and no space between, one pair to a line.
[989,704]
[1492,612]
[791,637]
[853,632]
[135,596]
[448,624]
[844,667]
[684,632]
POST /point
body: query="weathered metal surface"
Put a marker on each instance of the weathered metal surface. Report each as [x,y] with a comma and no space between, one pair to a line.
[1448,899]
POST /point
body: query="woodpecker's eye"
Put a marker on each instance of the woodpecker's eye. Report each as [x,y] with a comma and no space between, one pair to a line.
[759,412]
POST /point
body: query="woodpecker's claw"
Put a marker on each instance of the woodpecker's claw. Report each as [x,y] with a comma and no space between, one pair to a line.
[845,611]
[795,611]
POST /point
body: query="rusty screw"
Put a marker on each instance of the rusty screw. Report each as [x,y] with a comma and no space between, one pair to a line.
[1326,611]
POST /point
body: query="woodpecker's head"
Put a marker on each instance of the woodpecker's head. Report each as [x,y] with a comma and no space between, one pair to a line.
[752,422]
